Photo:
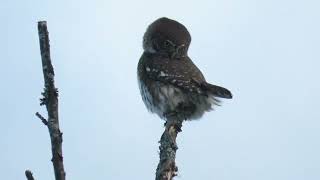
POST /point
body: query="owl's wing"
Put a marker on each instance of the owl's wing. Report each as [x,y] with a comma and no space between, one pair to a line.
[181,73]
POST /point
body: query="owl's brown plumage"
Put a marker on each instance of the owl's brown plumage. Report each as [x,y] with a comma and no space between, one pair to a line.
[169,82]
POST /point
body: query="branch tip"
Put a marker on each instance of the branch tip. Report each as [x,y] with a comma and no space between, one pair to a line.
[29,175]
[42,22]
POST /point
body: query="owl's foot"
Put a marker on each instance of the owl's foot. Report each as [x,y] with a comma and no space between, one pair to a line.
[175,124]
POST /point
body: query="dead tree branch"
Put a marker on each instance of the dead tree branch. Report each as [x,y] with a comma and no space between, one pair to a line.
[50,100]
[167,168]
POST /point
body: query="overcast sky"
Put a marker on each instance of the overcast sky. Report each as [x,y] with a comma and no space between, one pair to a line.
[266,52]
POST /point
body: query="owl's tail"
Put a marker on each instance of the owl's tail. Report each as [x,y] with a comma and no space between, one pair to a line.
[217,91]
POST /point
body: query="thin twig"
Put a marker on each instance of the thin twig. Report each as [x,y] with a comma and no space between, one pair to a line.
[29,175]
[44,121]
[51,101]
[167,168]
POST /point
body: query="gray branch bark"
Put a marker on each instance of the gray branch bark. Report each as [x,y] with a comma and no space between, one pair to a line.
[50,100]
[167,168]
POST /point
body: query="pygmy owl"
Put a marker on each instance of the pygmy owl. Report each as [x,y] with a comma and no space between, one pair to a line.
[170,84]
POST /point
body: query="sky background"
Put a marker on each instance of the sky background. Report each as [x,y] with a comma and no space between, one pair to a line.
[266,52]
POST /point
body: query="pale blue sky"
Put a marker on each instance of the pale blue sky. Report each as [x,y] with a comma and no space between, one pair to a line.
[265,52]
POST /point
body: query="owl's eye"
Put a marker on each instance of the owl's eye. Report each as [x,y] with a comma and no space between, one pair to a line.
[168,43]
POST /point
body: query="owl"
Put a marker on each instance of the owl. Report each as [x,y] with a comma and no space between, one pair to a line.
[171,85]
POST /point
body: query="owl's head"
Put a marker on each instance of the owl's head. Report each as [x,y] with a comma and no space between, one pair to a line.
[167,37]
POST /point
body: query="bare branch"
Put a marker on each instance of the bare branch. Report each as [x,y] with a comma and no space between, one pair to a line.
[44,121]
[29,175]
[167,168]
[50,99]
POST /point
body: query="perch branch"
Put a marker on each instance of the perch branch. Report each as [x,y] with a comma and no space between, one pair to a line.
[50,100]
[167,168]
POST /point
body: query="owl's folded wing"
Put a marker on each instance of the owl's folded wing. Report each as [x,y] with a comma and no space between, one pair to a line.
[183,74]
